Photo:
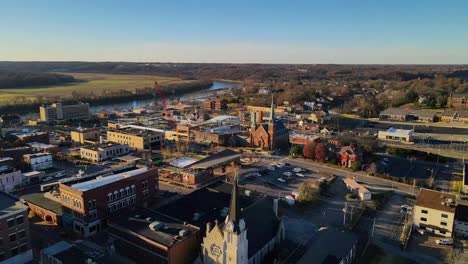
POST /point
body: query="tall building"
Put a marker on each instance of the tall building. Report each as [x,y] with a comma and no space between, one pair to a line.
[269,136]
[87,204]
[246,236]
[15,243]
[58,112]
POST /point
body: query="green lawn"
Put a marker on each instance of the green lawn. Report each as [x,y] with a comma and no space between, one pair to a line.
[89,82]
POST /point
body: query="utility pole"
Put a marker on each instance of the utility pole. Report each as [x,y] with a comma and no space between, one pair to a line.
[344,213]
[373,228]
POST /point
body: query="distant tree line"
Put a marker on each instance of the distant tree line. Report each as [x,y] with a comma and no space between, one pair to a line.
[28,79]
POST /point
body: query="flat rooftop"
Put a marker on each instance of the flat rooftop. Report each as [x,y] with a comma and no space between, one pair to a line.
[39,199]
[399,131]
[28,133]
[101,181]
[40,145]
[102,146]
[183,162]
[35,155]
[9,204]
[6,169]
[168,234]
[223,130]
[436,200]
[217,159]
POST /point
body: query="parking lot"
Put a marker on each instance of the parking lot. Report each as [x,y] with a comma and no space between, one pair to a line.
[426,244]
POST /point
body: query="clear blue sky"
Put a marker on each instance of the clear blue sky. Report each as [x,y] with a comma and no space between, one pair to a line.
[325,31]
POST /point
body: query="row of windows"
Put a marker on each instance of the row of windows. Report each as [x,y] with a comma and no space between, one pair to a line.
[441,223]
[15,221]
[442,215]
[19,235]
[122,193]
[122,204]
[71,201]
[17,250]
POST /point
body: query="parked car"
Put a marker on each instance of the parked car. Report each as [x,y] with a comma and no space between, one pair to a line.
[287,173]
[280,165]
[281,180]
[300,175]
[297,169]
[444,241]
[272,168]
[46,179]
[257,174]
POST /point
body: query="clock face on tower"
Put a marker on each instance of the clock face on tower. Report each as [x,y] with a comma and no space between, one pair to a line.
[216,250]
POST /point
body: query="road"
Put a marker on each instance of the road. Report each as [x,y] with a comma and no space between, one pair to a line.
[370,181]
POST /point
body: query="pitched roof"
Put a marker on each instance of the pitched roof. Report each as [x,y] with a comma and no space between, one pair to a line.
[435,200]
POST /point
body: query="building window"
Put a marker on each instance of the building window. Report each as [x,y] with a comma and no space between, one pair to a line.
[443,223]
[442,232]
[424,211]
[12,237]
[11,223]
[19,220]
[423,219]
[444,215]
[22,234]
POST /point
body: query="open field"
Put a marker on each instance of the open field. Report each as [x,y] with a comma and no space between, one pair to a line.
[89,82]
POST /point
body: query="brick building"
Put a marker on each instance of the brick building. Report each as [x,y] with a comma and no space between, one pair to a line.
[136,138]
[32,136]
[459,101]
[271,136]
[98,153]
[348,156]
[86,135]
[186,133]
[87,205]
[215,104]
[15,243]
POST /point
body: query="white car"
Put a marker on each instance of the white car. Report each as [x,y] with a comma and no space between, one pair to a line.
[420,231]
[280,165]
[297,169]
[300,175]
[287,174]
[271,168]
[281,180]
[257,174]
[444,242]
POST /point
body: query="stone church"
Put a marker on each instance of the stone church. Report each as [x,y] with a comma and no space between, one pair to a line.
[270,136]
[246,236]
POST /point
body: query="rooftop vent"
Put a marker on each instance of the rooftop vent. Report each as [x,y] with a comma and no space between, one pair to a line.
[183,232]
[155,226]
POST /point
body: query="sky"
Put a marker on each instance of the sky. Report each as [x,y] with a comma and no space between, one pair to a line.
[284,31]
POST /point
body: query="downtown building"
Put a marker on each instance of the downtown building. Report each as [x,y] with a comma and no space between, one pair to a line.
[87,205]
[58,112]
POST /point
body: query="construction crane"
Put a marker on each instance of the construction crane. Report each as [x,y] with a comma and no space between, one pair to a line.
[158,89]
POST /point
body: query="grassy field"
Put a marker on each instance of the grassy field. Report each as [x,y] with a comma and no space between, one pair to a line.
[89,82]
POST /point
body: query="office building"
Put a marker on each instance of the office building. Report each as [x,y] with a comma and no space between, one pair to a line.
[398,135]
[15,244]
[98,153]
[58,112]
[10,178]
[39,161]
[435,212]
[135,138]
[86,204]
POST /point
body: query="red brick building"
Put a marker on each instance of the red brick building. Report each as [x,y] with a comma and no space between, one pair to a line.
[87,205]
[215,104]
[348,156]
[459,101]
[271,136]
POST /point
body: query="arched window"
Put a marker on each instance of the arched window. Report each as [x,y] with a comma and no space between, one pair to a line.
[133,188]
[116,195]
[122,192]
[110,197]
[127,189]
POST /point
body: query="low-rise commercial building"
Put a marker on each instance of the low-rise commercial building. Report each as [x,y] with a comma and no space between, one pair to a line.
[435,212]
[27,136]
[151,237]
[86,135]
[58,112]
[459,116]
[86,204]
[459,101]
[222,136]
[98,153]
[399,135]
[45,206]
[10,178]
[39,161]
[41,147]
[186,132]
[15,243]
[362,192]
[136,139]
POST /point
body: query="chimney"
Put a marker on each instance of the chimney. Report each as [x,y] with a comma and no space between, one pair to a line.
[275,206]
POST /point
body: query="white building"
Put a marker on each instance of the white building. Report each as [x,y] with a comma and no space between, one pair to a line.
[361,191]
[435,212]
[39,161]
[10,178]
[394,134]
[103,152]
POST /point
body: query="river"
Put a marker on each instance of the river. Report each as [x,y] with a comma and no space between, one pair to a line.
[217,85]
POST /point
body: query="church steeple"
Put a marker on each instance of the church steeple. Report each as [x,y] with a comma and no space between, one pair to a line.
[254,119]
[272,111]
[234,210]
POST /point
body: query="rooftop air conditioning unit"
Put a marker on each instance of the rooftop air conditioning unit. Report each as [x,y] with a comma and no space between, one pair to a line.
[155,226]
[183,232]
